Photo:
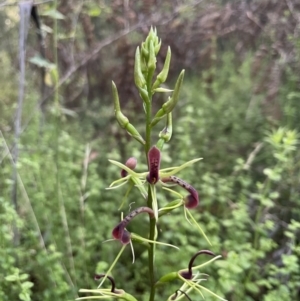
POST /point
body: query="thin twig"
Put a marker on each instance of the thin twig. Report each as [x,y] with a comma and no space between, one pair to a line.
[252,156]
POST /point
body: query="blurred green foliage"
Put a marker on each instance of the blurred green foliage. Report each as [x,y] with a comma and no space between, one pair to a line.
[248,210]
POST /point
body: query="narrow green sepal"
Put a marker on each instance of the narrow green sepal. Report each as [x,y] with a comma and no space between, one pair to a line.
[115,97]
[160,144]
[162,76]
[128,297]
[171,103]
[170,207]
[139,78]
[160,114]
[139,239]
[162,90]
[167,278]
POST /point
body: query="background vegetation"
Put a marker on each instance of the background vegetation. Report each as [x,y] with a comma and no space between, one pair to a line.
[239,111]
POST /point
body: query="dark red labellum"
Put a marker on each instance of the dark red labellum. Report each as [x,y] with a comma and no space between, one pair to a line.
[117,232]
[154,165]
[191,202]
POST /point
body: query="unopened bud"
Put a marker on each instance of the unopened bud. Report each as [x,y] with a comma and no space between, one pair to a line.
[130,163]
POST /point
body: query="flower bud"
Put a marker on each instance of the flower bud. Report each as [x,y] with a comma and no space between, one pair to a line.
[122,119]
[130,163]
[139,78]
[166,133]
[162,76]
[152,57]
[168,106]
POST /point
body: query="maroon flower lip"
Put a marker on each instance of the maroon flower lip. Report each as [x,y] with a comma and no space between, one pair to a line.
[154,165]
[188,274]
[120,233]
[192,200]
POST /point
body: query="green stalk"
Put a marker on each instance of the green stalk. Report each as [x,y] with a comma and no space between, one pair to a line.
[152,225]
[151,249]
[148,125]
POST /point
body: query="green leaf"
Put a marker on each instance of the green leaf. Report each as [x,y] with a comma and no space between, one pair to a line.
[94,11]
[12,278]
[252,287]
[41,62]
[54,14]
[274,195]
[23,276]
[27,285]
[24,296]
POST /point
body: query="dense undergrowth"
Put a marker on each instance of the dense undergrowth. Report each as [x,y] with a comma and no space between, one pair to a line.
[248,183]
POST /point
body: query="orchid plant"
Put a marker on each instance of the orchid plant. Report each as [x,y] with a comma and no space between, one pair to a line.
[147,182]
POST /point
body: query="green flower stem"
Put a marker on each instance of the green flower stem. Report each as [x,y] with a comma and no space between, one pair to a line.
[151,250]
[148,107]
[152,225]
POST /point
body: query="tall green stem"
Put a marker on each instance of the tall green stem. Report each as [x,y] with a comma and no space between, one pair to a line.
[151,250]
[148,128]
[152,226]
